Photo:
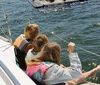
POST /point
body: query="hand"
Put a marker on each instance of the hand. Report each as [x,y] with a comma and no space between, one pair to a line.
[98,67]
[71,46]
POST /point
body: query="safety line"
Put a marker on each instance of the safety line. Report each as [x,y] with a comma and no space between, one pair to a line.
[75,46]
[3,31]
[5,16]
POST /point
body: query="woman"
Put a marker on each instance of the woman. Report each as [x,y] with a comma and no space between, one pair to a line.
[46,67]
[23,43]
[38,44]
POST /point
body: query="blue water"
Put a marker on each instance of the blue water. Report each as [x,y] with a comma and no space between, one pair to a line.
[79,24]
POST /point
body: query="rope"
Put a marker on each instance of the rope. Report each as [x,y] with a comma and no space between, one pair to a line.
[3,31]
[76,46]
[5,16]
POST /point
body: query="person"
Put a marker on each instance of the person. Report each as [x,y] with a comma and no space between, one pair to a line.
[46,67]
[38,44]
[23,43]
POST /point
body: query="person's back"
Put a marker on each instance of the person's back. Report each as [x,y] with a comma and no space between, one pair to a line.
[23,43]
[46,68]
[38,44]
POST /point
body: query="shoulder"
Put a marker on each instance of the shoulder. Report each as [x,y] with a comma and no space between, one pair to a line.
[49,63]
[22,36]
[30,54]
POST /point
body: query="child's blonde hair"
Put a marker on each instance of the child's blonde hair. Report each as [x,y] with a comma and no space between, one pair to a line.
[31,31]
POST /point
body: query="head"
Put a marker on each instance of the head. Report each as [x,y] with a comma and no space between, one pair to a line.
[31,31]
[39,42]
[51,52]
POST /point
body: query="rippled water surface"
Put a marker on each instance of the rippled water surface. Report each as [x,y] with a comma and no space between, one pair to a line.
[79,24]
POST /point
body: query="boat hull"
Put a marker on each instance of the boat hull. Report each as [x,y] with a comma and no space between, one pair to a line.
[44,3]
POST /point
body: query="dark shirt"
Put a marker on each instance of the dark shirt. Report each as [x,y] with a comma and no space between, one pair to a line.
[20,56]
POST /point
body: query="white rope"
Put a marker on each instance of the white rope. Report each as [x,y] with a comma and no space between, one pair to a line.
[3,31]
[76,46]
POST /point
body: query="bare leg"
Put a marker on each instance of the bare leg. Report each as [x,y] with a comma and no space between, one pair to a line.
[91,73]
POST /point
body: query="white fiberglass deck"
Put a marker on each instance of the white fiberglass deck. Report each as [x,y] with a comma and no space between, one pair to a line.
[40,3]
[10,73]
[7,49]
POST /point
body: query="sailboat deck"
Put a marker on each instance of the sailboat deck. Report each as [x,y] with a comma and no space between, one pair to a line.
[42,3]
[6,48]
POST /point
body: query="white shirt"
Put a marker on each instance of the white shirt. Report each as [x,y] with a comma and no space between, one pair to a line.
[30,55]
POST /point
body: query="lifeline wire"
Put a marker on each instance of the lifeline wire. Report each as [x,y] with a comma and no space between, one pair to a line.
[76,46]
[3,31]
[5,16]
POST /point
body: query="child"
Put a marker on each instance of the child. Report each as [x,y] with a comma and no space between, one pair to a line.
[38,44]
[46,67]
[23,43]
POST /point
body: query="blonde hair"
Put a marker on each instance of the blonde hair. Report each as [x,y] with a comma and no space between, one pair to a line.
[50,52]
[31,31]
[39,42]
